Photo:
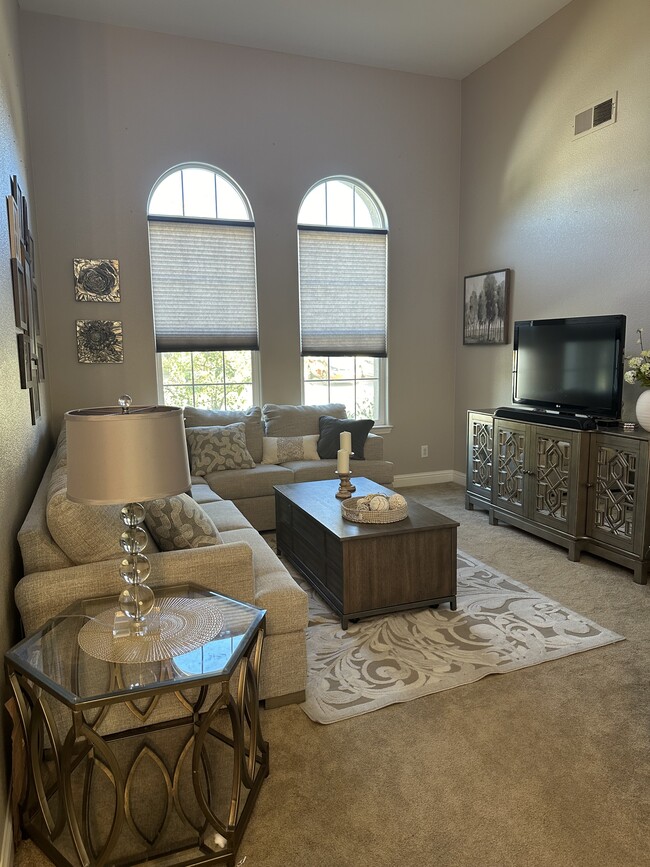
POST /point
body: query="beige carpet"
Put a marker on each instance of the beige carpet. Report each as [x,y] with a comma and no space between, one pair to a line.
[500,626]
[545,768]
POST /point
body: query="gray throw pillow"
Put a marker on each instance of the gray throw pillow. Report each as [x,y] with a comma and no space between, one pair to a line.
[252,418]
[178,522]
[217,448]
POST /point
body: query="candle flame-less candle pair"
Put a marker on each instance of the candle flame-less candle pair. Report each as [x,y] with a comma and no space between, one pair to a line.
[343,454]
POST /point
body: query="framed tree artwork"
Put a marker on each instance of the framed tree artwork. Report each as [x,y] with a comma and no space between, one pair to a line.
[485,309]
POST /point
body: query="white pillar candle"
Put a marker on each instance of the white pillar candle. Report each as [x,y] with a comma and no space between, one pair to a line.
[345,441]
[343,461]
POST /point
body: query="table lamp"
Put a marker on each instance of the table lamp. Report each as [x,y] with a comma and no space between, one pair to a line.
[128,454]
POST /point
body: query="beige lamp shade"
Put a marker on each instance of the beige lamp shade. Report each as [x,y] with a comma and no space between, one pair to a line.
[117,456]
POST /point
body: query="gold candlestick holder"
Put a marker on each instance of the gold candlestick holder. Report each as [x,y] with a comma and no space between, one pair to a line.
[346,489]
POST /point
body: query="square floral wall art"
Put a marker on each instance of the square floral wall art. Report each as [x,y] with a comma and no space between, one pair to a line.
[96,280]
[99,341]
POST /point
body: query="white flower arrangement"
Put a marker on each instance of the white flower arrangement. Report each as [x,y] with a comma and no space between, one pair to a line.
[639,365]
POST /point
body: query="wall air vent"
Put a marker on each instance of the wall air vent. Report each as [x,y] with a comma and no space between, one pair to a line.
[601,114]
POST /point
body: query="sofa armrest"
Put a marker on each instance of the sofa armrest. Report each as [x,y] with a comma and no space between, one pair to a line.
[226,568]
[374,448]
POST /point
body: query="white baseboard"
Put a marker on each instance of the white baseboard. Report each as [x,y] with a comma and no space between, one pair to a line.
[7,850]
[410,480]
[459,478]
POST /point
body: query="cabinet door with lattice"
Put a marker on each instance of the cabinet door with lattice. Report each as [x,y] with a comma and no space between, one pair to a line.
[510,465]
[618,482]
[479,455]
[557,472]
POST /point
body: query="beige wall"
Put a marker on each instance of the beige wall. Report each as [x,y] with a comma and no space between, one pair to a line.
[110,109]
[570,217]
[24,448]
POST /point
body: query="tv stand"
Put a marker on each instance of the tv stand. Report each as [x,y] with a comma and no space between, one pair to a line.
[584,489]
[540,416]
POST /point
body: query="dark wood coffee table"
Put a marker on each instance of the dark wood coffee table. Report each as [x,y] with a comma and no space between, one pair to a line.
[366,569]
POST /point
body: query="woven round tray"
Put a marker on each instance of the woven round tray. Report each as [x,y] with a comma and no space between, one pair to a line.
[351,513]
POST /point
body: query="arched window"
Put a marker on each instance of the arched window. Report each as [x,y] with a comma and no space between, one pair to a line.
[203,277]
[342,256]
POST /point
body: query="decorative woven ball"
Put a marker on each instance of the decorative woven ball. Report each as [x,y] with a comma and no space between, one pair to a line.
[364,501]
[396,501]
[378,503]
[363,507]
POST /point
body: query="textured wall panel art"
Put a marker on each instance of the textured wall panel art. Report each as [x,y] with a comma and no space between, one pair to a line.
[99,341]
[96,280]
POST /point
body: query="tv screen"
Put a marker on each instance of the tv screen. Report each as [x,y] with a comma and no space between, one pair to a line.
[570,365]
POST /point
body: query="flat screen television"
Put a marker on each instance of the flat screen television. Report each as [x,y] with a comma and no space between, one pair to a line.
[572,366]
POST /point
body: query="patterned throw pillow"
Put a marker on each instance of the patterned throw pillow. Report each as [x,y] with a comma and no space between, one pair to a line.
[217,448]
[280,450]
[178,522]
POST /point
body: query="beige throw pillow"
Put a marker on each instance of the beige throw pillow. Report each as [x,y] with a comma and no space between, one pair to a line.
[281,450]
[86,534]
[178,522]
[217,448]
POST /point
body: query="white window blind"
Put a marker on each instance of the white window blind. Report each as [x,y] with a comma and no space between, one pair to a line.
[342,292]
[204,285]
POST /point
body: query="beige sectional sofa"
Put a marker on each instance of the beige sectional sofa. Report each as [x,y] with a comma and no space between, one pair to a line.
[71,551]
[59,571]
[251,490]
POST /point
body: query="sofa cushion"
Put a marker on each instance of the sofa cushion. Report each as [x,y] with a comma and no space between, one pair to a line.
[226,516]
[215,449]
[178,522]
[282,420]
[242,484]
[309,471]
[275,590]
[279,450]
[374,448]
[252,418]
[330,432]
[202,493]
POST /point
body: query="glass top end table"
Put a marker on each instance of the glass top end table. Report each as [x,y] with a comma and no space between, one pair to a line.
[182,707]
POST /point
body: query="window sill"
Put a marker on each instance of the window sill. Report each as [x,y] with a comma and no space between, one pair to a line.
[382,429]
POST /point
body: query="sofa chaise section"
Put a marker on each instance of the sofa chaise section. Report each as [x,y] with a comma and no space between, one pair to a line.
[243,566]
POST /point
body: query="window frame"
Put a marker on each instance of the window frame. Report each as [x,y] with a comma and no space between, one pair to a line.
[381,421]
[256,374]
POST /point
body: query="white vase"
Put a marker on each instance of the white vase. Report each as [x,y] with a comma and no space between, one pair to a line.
[643,409]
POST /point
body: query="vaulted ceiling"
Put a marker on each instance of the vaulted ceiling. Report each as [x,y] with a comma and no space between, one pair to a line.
[448,38]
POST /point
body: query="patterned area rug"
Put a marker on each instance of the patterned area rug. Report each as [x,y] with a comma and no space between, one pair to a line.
[500,626]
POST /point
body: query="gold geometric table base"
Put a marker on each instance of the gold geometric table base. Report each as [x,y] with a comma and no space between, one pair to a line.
[139,794]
